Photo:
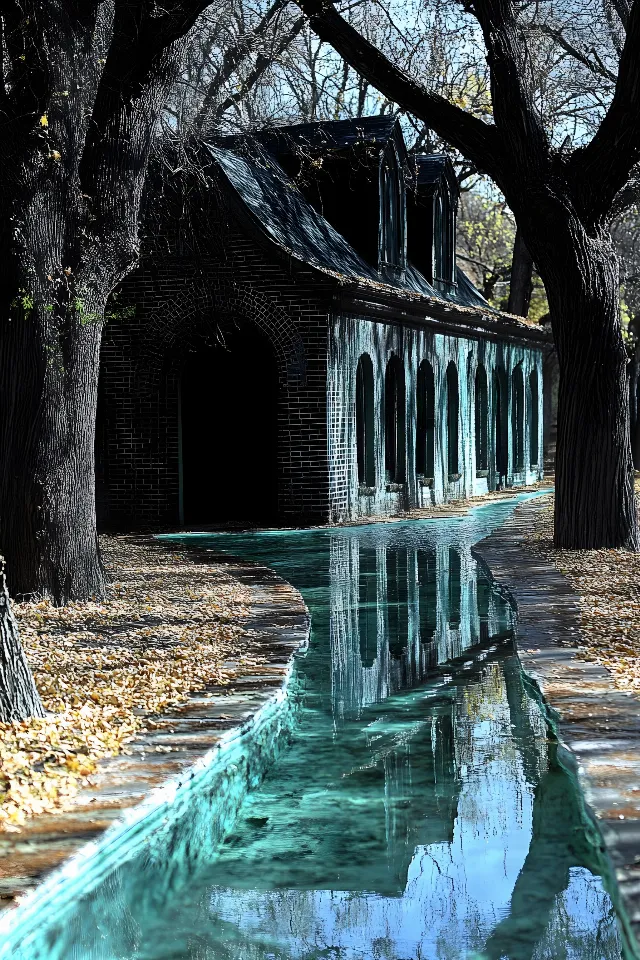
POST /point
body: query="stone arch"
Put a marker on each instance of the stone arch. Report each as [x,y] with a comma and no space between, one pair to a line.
[170,321]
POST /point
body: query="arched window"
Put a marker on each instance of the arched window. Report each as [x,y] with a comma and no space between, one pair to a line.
[394,421]
[364,422]
[500,404]
[392,217]
[517,418]
[481,420]
[533,418]
[425,420]
[453,407]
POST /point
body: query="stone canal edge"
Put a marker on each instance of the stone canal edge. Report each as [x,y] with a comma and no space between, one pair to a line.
[209,750]
[596,722]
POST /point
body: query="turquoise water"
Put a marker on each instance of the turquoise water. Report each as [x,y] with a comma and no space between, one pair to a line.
[421,808]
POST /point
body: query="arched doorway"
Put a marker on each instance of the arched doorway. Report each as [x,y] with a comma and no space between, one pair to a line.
[228,429]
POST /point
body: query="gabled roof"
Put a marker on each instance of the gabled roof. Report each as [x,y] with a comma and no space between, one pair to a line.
[430,170]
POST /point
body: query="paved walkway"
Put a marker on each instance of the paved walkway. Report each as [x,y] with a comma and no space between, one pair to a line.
[598,723]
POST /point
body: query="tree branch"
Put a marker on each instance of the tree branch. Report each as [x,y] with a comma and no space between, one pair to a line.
[233,56]
[479,141]
[602,168]
[512,86]
[262,64]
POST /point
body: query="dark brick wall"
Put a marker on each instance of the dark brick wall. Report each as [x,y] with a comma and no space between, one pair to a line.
[179,296]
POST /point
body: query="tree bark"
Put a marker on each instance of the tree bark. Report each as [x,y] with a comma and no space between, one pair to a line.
[521,286]
[19,698]
[595,503]
[48,394]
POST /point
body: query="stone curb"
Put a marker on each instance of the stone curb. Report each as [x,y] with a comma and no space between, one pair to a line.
[186,742]
[598,723]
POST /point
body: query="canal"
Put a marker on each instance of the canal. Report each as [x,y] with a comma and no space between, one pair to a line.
[421,809]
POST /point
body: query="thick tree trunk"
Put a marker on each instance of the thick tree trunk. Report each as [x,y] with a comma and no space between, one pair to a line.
[521,286]
[19,698]
[595,504]
[49,365]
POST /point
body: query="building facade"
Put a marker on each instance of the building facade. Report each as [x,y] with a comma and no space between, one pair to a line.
[299,345]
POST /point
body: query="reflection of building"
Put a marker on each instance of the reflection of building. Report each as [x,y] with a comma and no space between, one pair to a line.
[398,613]
[299,343]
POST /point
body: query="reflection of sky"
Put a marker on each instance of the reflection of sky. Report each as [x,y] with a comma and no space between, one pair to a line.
[455,892]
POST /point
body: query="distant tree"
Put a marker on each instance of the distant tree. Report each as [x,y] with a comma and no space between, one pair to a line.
[564,201]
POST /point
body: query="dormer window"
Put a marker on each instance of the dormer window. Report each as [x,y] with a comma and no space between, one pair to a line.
[431,221]
[392,212]
[444,235]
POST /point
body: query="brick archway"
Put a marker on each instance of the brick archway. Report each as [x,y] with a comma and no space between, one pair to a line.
[174,319]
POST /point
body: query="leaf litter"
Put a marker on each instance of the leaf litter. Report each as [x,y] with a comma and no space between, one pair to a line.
[607,583]
[168,627]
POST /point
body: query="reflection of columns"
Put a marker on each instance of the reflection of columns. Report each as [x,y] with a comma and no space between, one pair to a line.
[457,623]
[358,586]
[343,624]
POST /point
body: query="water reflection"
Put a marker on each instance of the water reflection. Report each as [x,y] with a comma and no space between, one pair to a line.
[421,810]
[395,614]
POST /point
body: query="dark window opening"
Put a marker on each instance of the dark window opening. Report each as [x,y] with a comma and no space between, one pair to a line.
[453,409]
[368,606]
[394,421]
[364,422]
[482,420]
[517,418]
[444,236]
[397,605]
[425,421]
[501,429]
[455,591]
[392,227]
[533,418]
[427,595]
[229,430]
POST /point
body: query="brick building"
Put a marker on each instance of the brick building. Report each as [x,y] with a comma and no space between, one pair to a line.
[299,345]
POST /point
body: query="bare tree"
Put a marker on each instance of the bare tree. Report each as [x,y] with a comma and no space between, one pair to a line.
[83,85]
[563,201]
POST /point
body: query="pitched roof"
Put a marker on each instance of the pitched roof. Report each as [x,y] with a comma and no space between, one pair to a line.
[283,214]
[286,217]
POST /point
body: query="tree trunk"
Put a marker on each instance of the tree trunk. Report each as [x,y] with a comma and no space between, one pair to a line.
[595,504]
[19,698]
[521,286]
[49,365]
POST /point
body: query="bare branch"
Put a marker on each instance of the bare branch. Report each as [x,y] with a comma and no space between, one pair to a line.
[604,165]
[477,140]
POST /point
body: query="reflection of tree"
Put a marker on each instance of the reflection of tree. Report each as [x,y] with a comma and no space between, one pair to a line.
[561,839]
